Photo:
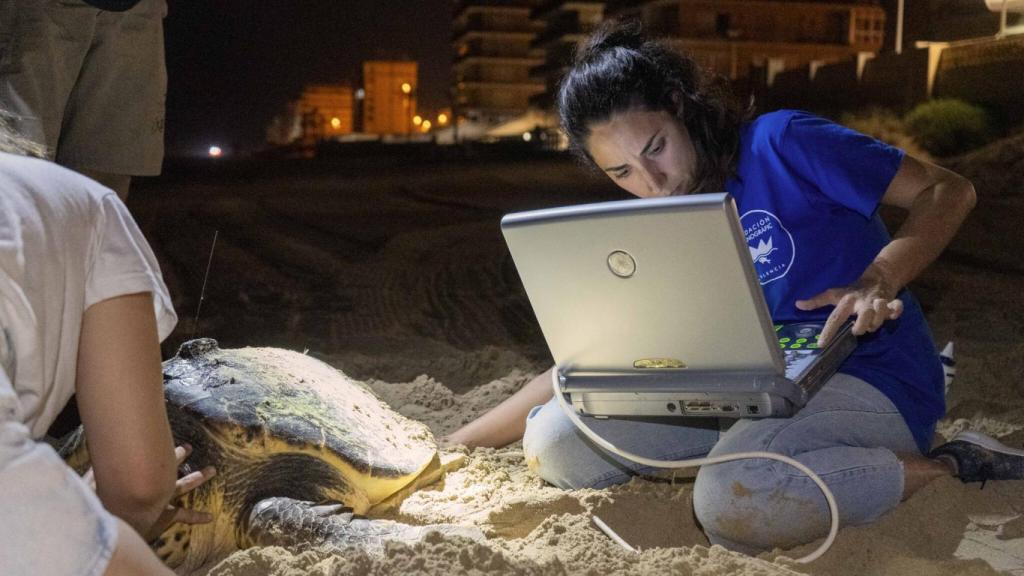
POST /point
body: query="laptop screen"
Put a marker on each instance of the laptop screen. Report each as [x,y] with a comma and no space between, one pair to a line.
[647,284]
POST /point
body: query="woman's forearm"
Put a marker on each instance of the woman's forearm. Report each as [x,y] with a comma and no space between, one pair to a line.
[506,422]
[935,213]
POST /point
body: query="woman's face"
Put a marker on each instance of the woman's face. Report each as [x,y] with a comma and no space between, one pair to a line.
[646,153]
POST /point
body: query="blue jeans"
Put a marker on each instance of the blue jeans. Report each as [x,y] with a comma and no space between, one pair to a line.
[849,434]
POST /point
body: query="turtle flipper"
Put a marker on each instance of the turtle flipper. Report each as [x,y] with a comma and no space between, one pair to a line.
[297,523]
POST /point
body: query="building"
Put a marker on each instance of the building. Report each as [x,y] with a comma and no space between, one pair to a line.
[322,111]
[733,37]
[326,111]
[566,23]
[389,96]
[493,56]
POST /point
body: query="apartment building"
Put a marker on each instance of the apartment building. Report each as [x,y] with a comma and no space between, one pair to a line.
[494,52]
[565,24]
[734,36]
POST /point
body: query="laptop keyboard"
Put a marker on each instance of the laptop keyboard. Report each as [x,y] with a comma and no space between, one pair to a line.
[799,344]
[798,336]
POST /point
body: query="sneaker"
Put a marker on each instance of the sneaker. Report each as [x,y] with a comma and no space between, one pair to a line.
[980,458]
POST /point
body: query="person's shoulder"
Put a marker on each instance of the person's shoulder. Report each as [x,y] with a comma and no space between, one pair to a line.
[784,129]
[765,133]
[774,125]
[49,183]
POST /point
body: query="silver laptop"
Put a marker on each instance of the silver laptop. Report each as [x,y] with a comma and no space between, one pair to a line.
[652,308]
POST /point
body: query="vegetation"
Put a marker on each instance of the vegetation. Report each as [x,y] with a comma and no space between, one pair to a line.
[946,127]
[886,126]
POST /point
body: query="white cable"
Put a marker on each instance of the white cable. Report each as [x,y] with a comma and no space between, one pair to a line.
[833,508]
[611,534]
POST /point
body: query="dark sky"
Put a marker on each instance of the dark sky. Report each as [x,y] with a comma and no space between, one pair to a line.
[232,64]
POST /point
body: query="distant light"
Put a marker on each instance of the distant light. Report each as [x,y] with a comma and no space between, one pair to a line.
[527,136]
[442,118]
[406,88]
[360,94]
[335,122]
[417,120]
[425,125]
[216,152]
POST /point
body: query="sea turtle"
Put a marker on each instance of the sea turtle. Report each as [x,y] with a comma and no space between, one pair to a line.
[302,453]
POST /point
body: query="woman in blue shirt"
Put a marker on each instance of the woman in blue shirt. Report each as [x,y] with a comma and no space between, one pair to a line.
[810,189]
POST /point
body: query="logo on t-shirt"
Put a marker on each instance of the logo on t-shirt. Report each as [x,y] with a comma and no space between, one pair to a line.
[771,245]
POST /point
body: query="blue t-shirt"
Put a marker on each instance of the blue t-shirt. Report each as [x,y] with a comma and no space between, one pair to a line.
[807,191]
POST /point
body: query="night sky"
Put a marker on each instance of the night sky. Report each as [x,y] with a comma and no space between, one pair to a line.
[233,64]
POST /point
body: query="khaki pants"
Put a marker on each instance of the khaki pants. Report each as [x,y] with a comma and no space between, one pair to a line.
[88,84]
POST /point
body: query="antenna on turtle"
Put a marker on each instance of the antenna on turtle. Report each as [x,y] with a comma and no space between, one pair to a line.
[202,293]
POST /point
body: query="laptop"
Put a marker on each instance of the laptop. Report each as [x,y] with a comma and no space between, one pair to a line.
[652,307]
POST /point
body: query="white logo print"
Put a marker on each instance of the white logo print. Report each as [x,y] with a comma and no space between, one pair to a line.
[761,253]
[771,245]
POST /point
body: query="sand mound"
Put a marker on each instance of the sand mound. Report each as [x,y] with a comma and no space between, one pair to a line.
[534,528]
[391,274]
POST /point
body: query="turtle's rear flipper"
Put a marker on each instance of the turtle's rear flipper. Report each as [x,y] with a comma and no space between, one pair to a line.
[296,523]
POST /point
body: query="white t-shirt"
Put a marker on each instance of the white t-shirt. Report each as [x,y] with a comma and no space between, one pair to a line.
[66,243]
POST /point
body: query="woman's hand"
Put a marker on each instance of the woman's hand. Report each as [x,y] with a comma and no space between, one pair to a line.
[174,513]
[869,299]
[184,485]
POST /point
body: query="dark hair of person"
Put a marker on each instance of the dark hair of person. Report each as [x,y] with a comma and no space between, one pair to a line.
[619,68]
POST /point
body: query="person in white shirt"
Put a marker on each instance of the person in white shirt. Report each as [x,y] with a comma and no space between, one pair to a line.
[83,309]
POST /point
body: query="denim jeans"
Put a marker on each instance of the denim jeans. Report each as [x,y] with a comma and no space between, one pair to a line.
[849,434]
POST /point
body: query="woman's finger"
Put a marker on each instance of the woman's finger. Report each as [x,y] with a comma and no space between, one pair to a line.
[835,320]
[881,313]
[182,452]
[190,482]
[895,308]
[189,516]
[864,321]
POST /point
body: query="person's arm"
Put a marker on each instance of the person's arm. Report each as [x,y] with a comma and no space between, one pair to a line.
[938,201]
[121,401]
[506,422]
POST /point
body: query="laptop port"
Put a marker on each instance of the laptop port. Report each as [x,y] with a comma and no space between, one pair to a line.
[697,406]
[753,409]
[671,407]
[728,408]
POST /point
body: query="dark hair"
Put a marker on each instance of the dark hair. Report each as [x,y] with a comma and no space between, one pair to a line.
[619,68]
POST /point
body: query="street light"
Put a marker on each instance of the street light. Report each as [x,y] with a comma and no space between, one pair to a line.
[406,105]
[417,120]
[442,119]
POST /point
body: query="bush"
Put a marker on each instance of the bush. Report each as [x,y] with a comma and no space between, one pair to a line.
[945,127]
[884,125]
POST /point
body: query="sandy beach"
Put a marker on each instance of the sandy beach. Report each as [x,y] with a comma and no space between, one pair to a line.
[393,270]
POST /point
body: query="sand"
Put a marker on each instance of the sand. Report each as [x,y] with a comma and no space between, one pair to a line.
[396,274]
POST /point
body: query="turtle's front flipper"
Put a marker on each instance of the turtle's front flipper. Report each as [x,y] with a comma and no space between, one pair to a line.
[296,523]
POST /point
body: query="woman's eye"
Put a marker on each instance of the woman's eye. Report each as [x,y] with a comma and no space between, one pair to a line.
[656,149]
[622,174]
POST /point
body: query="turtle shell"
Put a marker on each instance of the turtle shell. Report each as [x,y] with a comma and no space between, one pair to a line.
[257,402]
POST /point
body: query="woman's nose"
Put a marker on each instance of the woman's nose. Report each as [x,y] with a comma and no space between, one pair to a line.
[655,180]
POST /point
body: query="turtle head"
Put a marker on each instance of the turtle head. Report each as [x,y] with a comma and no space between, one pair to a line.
[197,348]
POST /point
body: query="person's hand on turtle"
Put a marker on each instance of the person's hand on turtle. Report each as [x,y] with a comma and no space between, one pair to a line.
[175,513]
[870,299]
